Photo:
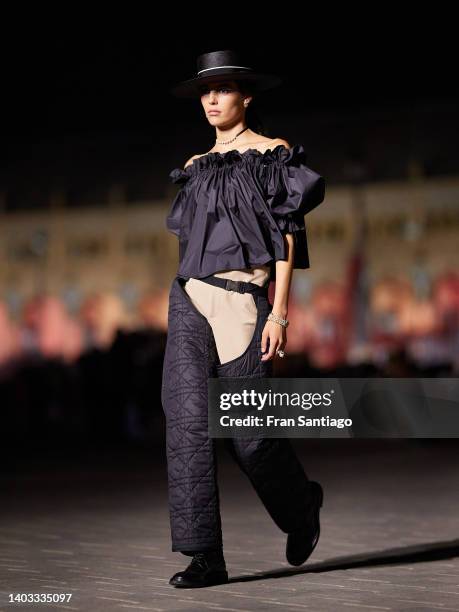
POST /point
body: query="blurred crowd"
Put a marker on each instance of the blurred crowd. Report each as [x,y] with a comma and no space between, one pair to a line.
[322,327]
[97,371]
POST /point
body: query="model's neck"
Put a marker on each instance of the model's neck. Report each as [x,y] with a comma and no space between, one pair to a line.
[224,135]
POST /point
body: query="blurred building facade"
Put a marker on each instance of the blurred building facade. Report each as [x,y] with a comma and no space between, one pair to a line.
[412,233]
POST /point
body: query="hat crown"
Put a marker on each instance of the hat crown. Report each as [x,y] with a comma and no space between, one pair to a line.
[228,58]
[224,64]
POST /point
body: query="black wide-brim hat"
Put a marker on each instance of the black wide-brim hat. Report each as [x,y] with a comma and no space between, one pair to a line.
[224,64]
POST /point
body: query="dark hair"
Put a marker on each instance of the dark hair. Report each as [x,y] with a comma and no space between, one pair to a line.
[252,115]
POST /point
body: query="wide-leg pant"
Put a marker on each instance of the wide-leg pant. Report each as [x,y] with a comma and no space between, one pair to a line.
[270,463]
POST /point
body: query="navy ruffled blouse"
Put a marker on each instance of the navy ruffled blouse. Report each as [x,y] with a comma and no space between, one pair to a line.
[233,208]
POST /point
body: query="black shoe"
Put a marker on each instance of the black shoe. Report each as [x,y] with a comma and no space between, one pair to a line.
[301,542]
[206,568]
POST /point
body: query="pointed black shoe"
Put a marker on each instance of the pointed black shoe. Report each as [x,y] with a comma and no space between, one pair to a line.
[205,569]
[301,542]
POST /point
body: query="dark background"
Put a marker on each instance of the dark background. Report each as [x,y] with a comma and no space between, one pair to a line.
[87,103]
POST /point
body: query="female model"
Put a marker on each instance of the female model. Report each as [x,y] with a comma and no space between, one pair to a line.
[239,217]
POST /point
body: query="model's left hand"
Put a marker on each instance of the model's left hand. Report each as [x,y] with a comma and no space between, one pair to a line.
[276,335]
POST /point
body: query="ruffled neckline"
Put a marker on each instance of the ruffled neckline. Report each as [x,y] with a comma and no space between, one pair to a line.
[280,154]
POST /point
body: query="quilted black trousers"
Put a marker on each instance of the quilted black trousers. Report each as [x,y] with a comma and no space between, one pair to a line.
[270,464]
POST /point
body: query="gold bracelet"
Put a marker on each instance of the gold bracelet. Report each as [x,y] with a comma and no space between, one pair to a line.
[277,319]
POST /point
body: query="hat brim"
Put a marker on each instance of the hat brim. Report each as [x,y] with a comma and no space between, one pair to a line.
[258,82]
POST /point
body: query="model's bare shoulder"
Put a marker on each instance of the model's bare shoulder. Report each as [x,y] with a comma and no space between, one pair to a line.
[190,161]
[271,143]
[280,141]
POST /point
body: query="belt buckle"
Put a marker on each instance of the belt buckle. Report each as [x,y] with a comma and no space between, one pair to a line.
[232,285]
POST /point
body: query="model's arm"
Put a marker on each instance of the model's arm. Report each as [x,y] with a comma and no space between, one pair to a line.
[272,331]
[276,333]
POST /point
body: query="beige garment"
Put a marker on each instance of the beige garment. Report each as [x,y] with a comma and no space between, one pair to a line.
[231,315]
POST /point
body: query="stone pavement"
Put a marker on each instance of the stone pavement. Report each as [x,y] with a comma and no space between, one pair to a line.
[98,528]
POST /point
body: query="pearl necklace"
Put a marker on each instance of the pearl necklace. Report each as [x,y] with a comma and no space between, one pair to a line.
[232,139]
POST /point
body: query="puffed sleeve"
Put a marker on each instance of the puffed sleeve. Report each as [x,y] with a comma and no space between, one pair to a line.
[291,190]
[179,176]
[173,220]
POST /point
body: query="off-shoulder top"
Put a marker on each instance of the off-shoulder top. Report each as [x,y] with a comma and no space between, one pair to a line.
[233,208]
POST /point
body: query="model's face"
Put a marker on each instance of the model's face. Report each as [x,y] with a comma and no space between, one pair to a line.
[223,102]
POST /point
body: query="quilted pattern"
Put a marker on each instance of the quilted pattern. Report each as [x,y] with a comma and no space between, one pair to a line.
[271,465]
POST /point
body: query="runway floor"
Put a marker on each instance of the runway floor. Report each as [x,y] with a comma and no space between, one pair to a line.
[97,526]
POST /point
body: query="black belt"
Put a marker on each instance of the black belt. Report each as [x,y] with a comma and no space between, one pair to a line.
[232,285]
